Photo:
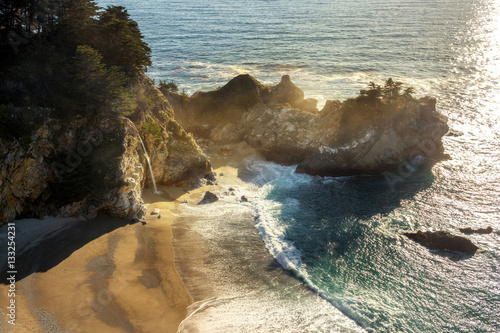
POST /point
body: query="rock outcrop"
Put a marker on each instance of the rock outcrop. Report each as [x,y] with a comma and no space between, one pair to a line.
[442,240]
[73,168]
[79,167]
[209,197]
[336,141]
[484,231]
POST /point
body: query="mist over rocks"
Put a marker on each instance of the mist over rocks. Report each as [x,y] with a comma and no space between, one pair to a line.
[357,136]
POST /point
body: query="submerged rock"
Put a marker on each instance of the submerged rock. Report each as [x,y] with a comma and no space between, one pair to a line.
[208,198]
[453,132]
[469,230]
[244,199]
[442,240]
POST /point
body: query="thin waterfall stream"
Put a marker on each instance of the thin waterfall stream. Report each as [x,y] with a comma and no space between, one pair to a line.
[149,164]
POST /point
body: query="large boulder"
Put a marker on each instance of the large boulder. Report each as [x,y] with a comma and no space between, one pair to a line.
[442,240]
[209,197]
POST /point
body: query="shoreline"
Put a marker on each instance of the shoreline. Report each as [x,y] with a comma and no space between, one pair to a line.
[164,275]
[235,283]
[105,274]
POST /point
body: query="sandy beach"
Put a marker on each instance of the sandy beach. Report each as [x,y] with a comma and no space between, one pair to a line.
[105,274]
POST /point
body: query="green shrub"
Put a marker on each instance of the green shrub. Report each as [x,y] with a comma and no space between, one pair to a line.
[150,126]
[170,86]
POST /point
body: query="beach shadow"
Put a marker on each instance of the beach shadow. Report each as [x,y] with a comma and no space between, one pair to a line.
[55,248]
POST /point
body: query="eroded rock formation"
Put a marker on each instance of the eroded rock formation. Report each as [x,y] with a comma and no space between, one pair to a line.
[288,129]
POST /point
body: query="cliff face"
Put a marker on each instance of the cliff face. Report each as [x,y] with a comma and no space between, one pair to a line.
[176,159]
[73,168]
[79,167]
[338,140]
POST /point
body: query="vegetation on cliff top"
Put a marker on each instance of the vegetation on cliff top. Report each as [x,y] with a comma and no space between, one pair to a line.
[68,57]
[377,102]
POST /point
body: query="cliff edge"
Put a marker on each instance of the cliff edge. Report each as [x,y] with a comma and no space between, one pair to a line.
[81,166]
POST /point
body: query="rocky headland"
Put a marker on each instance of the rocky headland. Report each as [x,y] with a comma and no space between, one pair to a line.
[364,135]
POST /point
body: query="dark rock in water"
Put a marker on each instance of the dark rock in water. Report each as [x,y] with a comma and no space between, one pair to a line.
[231,189]
[469,230]
[208,198]
[210,182]
[442,240]
[244,199]
[453,132]
[160,216]
[221,174]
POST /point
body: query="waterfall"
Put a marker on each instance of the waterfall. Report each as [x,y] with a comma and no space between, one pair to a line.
[149,164]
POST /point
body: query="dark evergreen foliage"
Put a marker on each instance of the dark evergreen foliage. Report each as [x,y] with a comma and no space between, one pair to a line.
[376,101]
[69,56]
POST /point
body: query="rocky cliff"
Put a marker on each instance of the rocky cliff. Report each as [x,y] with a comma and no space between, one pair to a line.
[344,138]
[79,166]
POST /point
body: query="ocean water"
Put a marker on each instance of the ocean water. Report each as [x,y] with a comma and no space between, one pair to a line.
[341,237]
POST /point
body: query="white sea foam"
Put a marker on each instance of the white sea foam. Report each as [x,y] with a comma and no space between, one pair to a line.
[284,306]
[271,227]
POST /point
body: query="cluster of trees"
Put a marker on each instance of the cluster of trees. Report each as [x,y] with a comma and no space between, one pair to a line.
[376,101]
[168,86]
[376,96]
[69,56]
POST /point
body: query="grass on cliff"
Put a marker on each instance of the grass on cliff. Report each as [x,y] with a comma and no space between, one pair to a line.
[152,127]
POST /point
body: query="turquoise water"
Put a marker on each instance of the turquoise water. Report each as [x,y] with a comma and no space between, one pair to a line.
[342,236]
